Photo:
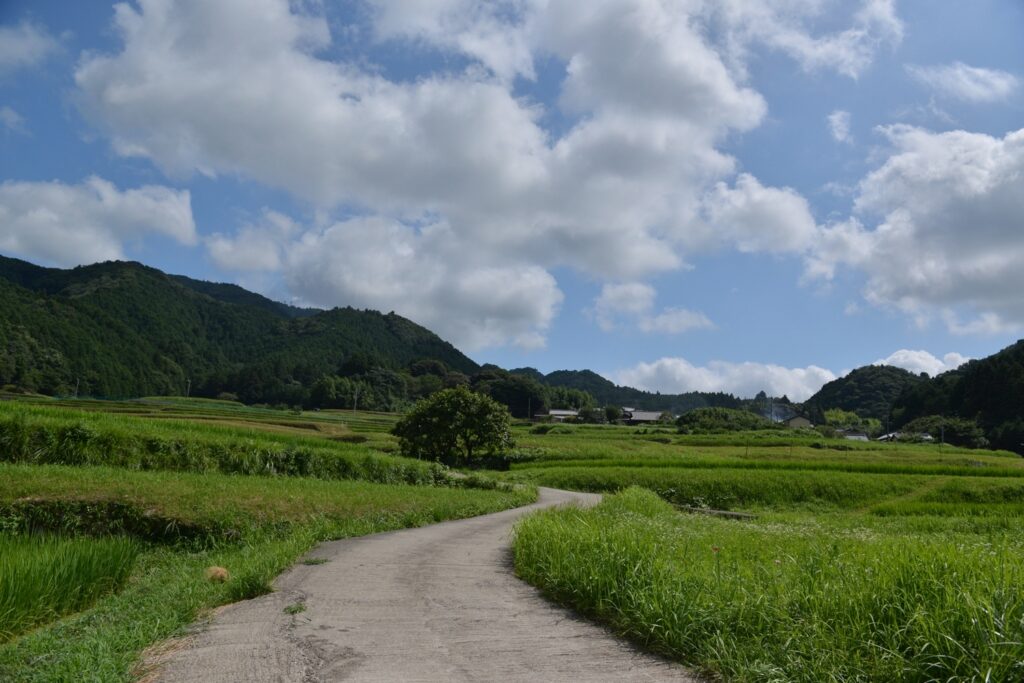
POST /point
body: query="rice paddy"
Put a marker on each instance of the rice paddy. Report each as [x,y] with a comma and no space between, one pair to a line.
[860,562]
[109,519]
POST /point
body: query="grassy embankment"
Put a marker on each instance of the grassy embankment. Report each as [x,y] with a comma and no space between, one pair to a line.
[180,522]
[865,562]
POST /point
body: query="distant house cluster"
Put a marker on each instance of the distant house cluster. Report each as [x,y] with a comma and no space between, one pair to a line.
[630,416]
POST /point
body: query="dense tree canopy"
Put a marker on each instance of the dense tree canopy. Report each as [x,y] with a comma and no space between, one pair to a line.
[988,392]
[122,329]
[454,426]
[718,420]
[868,391]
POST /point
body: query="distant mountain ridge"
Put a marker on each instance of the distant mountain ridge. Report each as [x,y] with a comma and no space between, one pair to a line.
[609,393]
[120,329]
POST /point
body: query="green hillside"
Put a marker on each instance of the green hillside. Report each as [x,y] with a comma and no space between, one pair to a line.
[989,391]
[121,329]
[868,391]
[609,393]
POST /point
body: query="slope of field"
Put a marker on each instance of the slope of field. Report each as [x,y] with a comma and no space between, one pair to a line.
[89,473]
[861,561]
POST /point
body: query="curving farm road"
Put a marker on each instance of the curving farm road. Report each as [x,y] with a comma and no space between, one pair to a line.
[438,603]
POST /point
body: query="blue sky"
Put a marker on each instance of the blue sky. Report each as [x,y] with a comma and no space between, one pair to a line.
[681,195]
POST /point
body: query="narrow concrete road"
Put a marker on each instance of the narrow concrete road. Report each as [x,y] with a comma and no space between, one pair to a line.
[438,603]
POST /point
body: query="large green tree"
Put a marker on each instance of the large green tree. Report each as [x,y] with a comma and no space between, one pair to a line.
[455,426]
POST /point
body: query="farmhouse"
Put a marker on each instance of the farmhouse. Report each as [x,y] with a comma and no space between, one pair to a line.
[636,417]
[799,422]
[557,415]
[853,435]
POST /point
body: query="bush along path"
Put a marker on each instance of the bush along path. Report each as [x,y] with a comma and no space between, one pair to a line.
[439,603]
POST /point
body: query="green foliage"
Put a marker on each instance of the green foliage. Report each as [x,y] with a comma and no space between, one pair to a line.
[952,430]
[836,418]
[455,426]
[868,391]
[607,393]
[784,599]
[524,397]
[40,435]
[278,520]
[719,420]
[122,329]
[44,578]
[989,392]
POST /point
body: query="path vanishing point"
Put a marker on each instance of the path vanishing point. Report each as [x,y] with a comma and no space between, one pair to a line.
[437,603]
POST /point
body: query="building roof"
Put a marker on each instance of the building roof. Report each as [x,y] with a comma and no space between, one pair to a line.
[644,416]
[564,413]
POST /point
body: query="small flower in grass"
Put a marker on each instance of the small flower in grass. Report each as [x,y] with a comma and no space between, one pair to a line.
[778,562]
[715,549]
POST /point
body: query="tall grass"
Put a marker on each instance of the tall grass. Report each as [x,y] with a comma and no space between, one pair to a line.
[277,519]
[730,489]
[757,601]
[34,435]
[44,578]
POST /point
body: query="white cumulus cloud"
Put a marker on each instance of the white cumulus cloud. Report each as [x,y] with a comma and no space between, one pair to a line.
[636,183]
[918,361]
[938,229]
[69,225]
[968,83]
[677,375]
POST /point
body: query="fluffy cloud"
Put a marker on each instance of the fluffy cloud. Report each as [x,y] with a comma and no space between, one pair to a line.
[755,218]
[968,83]
[676,375]
[839,126]
[948,236]
[631,304]
[634,184]
[418,272]
[24,45]
[256,246]
[922,361]
[69,225]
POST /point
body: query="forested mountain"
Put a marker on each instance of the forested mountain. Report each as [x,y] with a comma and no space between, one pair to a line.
[868,391]
[989,391]
[121,329]
[609,393]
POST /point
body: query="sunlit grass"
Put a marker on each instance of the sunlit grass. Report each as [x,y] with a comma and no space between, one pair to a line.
[769,600]
[43,578]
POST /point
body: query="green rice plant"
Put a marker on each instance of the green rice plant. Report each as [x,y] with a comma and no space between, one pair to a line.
[278,520]
[731,489]
[769,601]
[30,434]
[43,578]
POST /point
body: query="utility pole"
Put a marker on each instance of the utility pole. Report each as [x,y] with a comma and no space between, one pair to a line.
[77,381]
[188,387]
[355,399]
